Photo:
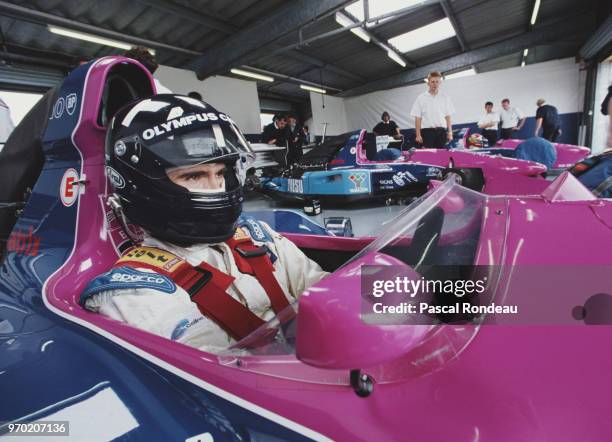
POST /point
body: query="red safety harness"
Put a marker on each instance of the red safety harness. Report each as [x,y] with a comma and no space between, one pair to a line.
[207,286]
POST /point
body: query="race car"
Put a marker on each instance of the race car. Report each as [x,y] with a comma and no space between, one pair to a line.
[566,154]
[347,168]
[327,374]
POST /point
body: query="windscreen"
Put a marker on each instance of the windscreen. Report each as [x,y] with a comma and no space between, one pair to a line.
[437,233]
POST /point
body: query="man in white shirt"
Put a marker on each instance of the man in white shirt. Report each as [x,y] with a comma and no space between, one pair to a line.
[432,112]
[512,119]
[488,123]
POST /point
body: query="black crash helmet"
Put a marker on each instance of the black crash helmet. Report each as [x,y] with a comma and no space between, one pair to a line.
[152,136]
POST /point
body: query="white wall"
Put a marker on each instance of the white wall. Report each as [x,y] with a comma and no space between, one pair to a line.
[237,98]
[558,81]
[328,110]
[19,103]
[601,122]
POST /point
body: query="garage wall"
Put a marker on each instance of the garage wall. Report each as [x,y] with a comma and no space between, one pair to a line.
[237,98]
[560,82]
[331,110]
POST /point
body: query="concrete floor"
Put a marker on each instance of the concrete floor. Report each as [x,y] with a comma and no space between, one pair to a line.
[366,220]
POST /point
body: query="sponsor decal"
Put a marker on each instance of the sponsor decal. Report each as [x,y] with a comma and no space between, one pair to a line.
[23,243]
[71,102]
[171,125]
[256,230]
[353,150]
[360,181]
[403,178]
[182,326]
[67,103]
[58,108]
[295,185]
[434,172]
[69,187]
[152,256]
[122,278]
[240,234]
[115,178]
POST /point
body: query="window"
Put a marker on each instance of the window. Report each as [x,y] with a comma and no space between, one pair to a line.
[266,118]
[424,36]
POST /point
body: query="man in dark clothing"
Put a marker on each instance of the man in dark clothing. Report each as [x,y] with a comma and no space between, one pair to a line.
[387,127]
[275,133]
[295,138]
[547,118]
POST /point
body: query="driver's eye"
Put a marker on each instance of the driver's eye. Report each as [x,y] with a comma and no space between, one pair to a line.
[193,177]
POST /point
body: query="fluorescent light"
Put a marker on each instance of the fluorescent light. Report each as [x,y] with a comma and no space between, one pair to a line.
[313,89]
[463,73]
[92,38]
[396,58]
[252,75]
[525,52]
[534,14]
[344,21]
[424,36]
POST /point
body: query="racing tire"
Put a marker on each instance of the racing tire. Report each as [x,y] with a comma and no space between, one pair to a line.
[470,178]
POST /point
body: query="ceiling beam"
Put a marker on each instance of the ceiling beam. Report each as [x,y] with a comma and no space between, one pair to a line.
[319,64]
[212,22]
[448,10]
[44,18]
[601,39]
[537,36]
[201,17]
[241,47]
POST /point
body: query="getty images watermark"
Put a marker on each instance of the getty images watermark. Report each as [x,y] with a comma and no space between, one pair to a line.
[527,295]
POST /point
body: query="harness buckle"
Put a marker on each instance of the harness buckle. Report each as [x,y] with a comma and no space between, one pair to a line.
[201,282]
[259,251]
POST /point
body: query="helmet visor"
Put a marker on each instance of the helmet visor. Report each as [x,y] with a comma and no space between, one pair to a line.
[171,145]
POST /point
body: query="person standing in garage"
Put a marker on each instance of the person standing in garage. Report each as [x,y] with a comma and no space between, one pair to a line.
[295,139]
[387,127]
[547,118]
[488,124]
[432,112]
[512,120]
[275,132]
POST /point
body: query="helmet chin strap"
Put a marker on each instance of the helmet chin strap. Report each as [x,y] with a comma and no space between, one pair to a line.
[114,202]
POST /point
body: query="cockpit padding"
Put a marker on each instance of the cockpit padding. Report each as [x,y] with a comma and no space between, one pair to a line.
[125,83]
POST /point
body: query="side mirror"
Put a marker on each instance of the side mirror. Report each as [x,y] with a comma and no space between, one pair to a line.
[331,332]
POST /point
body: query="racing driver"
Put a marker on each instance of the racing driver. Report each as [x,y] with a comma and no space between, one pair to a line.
[203,275]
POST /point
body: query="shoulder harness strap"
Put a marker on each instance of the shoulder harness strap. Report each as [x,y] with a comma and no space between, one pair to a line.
[205,285]
[255,260]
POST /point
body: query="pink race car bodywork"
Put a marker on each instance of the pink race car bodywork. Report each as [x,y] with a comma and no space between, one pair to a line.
[430,382]
[567,154]
[441,382]
[459,158]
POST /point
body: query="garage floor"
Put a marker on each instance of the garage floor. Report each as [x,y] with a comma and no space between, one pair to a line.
[366,221]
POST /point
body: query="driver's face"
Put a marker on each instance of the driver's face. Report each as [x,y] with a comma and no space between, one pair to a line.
[199,177]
